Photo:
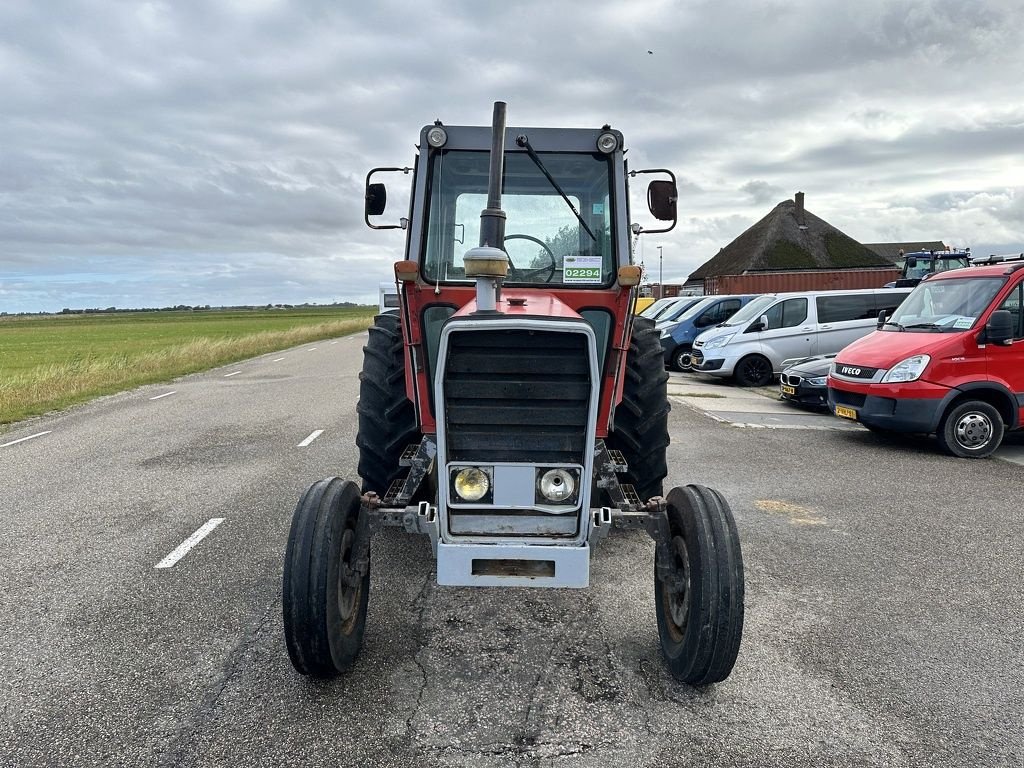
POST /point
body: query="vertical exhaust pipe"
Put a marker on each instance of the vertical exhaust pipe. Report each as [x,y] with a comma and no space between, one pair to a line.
[488,262]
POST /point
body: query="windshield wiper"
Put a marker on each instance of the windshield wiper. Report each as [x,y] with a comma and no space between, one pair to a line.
[925,325]
[890,322]
[524,142]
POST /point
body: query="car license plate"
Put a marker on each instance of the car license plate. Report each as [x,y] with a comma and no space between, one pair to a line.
[788,390]
[846,413]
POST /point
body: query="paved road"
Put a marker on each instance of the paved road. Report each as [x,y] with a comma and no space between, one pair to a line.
[885,621]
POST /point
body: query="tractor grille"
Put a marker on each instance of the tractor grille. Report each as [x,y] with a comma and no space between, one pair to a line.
[516,395]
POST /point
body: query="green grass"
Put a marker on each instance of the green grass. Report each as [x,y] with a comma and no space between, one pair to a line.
[54,361]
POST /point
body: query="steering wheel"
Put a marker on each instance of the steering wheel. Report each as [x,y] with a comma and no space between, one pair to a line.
[517,275]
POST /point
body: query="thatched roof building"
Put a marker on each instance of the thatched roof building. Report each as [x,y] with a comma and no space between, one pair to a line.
[789,238]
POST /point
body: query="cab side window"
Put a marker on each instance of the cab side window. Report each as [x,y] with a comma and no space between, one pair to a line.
[719,313]
[1013,304]
[787,314]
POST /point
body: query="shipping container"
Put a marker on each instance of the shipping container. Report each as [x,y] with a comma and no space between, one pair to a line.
[800,280]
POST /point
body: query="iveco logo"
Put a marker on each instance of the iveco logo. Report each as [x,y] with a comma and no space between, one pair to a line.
[850,371]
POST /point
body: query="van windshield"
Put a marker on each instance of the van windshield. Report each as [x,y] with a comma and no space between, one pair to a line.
[945,306]
[752,311]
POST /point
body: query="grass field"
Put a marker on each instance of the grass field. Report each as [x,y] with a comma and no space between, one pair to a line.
[53,361]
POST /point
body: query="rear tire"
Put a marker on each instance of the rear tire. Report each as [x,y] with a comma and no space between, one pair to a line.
[700,619]
[324,612]
[682,358]
[971,430]
[387,419]
[640,429]
[753,371]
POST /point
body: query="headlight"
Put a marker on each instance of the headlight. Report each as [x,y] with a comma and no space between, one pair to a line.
[907,370]
[471,483]
[817,381]
[557,485]
[666,332]
[721,341]
[437,136]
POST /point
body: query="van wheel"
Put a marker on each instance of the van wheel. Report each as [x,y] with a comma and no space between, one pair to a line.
[972,430]
[682,358]
[753,371]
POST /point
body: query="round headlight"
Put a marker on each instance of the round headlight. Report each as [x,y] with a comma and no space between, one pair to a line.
[557,485]
[437,136]
[472,484]
[607,143]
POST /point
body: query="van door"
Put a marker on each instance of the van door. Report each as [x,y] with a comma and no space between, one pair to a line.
[790,333]
[1006,363]
[842,319]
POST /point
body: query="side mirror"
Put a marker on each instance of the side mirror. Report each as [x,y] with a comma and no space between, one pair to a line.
[882,317]
[999,329]
[761,324]
[376,199]
[911,263]
[661,199]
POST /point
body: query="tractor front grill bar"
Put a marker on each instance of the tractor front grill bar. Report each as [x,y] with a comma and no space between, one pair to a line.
[516,395]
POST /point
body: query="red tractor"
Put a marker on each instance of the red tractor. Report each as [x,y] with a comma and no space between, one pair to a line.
[514,409]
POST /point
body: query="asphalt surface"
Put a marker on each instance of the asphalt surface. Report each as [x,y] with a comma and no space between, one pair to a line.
[884,615]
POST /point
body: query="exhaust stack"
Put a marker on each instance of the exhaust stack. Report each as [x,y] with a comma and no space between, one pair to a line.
[488,262]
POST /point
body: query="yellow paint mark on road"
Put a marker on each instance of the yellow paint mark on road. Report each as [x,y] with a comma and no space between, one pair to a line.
[797,515]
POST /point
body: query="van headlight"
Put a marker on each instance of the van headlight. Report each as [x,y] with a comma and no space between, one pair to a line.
[721,341]
[907,370]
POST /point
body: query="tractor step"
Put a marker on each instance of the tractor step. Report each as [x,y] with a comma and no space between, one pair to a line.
[408,455]
[394,492]
[619,461]
[631,495]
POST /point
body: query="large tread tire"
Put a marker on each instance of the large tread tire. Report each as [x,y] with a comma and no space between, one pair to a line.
[971,430]
[700,626]
[387,419]
[324,621]
[640,430]
[753,371]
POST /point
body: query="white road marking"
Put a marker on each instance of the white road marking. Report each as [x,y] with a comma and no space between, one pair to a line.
[183,549]
[334,342]
[278,360]
[23,439]
[165,394]
[310,439]
[311,349]
[233,373]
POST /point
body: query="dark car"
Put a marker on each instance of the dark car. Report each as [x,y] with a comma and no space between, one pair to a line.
[804,380]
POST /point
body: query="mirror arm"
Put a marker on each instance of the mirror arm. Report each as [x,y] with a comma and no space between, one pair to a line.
[637,229]
[366,216]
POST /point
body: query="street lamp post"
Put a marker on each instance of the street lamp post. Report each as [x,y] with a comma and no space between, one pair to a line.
[661,275]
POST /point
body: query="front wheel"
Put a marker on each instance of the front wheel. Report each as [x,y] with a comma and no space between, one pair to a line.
[972,430]
[324,599]
[682,358]
[753,371]
[699,604]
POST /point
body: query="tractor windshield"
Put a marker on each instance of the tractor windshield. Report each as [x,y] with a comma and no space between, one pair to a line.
[545,240]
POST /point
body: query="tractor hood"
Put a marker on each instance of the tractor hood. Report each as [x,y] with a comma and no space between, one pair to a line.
[522,304]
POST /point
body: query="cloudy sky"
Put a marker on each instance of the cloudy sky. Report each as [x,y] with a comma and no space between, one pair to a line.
[156,153]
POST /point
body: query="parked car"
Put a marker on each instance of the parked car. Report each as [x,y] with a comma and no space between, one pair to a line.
[677,335]
[653,309]
[949,362]
[804,380]
[752,344]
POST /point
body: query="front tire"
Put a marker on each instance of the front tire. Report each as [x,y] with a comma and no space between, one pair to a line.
[640,430]
[387,419]
[324,601]
[753,371]
[971,430]
[700,614]
[682,358]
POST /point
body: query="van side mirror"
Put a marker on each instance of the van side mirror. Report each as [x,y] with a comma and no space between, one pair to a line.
[761,324]
[882,317]
[999,329]
[912,262]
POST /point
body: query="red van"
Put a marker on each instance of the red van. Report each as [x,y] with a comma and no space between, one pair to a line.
[949,362]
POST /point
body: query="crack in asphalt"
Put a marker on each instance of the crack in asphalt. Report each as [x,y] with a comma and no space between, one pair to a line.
[205,711]
[419,608]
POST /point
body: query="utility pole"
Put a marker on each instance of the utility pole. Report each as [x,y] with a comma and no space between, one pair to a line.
[661,274]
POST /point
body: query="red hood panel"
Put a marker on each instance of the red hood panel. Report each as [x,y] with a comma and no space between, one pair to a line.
[883,349]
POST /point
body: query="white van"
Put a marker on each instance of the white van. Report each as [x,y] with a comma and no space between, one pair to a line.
[389,299]
[751,345]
